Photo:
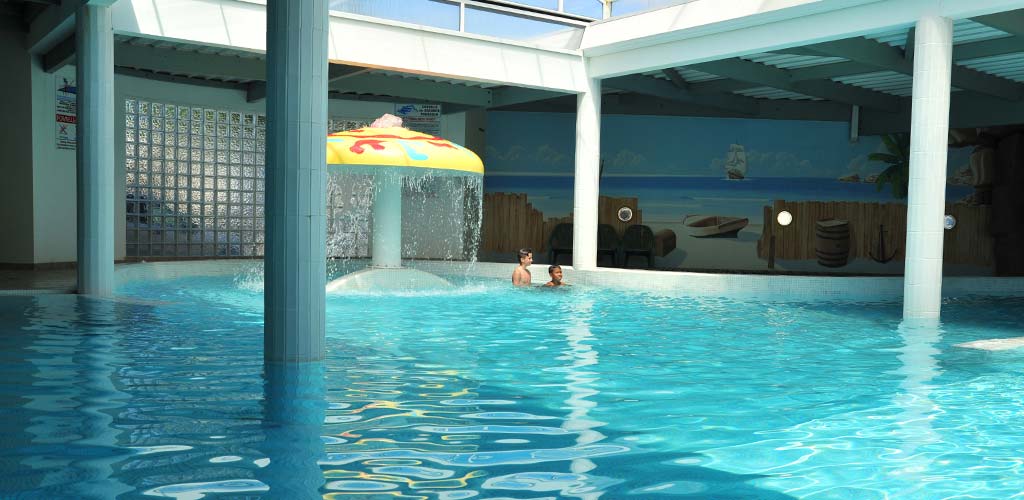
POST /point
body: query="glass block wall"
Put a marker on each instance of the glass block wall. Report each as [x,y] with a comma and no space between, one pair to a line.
[194,180]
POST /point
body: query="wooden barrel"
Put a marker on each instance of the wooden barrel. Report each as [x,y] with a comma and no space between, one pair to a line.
[832,243]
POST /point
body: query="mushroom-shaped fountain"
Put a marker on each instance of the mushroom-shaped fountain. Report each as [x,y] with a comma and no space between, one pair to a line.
[390,154]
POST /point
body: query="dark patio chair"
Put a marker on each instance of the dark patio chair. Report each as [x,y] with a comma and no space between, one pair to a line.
[638,240]
[560,242]
[607,243]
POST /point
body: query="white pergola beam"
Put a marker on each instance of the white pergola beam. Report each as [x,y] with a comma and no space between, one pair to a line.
[397,46]
[701,38]
[696,18]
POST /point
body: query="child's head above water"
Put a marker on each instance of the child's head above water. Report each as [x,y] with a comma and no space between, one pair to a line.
[525,256]
[555,272]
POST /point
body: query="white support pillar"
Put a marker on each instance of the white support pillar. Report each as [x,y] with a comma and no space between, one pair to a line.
[926,200]
[387,221]
[94,43]
[588,176]
[295,262]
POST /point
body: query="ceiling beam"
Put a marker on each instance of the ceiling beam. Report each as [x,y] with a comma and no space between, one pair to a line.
[60,55]
[726,85]
[795,51]
[971,50]
[184,80]
[763,74]
[887,58]
[335,72]
[676,79]
[908,46]
[1011,22]
[649,85]
[508,96]
[397,86]
[341,96]
[183,62]
[966,110]
[830,71]
[988,48]
[342,79]
[55,23]
[638,104]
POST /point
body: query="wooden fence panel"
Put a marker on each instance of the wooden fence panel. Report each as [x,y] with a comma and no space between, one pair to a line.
[510,222]
[969,243]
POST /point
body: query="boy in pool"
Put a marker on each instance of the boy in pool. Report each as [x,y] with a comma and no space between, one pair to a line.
[521,276]
[555,272]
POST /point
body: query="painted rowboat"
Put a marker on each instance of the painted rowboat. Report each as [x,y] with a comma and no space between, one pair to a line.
[714,226]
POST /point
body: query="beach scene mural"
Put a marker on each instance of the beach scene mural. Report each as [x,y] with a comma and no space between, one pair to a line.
[706,187]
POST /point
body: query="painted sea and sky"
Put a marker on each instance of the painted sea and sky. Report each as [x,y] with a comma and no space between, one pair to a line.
[676,165]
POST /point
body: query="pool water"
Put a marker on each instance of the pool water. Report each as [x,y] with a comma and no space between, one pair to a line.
[488,392]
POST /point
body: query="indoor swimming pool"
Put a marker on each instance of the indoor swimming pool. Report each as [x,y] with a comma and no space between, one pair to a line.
[482,391]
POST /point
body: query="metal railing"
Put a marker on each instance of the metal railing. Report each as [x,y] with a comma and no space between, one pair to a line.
[545,22]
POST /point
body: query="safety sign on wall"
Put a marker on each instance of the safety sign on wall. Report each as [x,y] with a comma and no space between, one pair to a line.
[67,113]
[425,118]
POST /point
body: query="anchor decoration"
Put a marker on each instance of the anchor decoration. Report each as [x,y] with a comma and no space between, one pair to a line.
[880,254]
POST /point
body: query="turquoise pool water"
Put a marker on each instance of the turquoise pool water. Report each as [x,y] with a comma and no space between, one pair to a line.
[487,392]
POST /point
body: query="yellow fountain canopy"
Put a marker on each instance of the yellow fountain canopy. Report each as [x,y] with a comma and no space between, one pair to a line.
[400,147]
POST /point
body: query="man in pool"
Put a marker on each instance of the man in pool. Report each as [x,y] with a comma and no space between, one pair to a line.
[521,276]
[555,272]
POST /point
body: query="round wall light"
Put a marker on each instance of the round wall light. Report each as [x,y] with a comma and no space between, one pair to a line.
[625,214]
[949,222]
[785,218]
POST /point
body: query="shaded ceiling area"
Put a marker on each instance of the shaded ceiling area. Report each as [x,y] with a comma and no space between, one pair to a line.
[824,81]
[815,82]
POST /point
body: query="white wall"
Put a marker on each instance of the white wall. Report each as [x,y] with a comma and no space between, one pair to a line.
[15,150]
[54,174]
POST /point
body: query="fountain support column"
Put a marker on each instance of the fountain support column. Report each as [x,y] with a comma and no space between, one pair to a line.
[94,43]
[387,221]
[929,129]
[295,271]
[588,176]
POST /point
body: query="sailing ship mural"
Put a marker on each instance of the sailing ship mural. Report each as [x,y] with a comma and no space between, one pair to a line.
[722,226]
[736,162]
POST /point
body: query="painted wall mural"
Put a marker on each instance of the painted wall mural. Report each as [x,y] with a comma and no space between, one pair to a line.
[706,187]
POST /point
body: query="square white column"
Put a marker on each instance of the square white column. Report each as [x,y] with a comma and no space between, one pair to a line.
[295,264]
[94,43]
[926,196]
[588,176]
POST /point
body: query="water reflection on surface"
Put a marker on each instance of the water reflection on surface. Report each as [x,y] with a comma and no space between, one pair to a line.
[487,393]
